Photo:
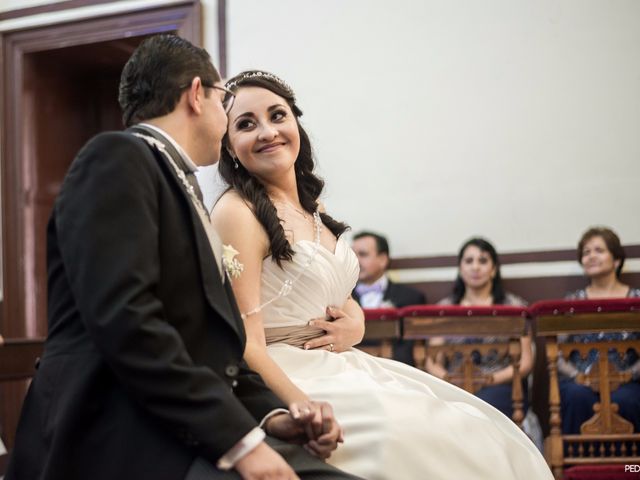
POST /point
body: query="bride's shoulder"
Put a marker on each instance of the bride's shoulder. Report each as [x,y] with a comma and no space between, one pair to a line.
[231,204]
[231,207]
[233,216]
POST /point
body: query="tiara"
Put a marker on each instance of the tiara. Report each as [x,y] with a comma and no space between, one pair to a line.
[259,74]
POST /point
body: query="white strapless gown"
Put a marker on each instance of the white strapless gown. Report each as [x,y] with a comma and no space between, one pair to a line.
[400,423]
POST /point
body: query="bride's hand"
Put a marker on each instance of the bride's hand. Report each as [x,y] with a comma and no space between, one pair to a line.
[343,332]
[296,426]
[321,427]
[328,432]
[310,424]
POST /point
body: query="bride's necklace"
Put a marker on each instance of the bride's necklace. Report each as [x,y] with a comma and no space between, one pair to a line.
[288,284]
[291,206]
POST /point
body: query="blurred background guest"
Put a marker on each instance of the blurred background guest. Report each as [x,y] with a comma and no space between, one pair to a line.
[479,283]
[374,288]
[602,257]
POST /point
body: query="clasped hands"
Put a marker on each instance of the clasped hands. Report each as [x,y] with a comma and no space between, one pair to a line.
[310,424]
[342,331]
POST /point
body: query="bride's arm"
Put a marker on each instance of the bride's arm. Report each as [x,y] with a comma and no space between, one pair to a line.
[237,226]
[345,328]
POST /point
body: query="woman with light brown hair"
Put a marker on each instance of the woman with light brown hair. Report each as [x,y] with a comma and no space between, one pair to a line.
[602,256]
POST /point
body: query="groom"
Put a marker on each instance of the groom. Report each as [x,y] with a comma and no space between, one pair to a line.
[142,375]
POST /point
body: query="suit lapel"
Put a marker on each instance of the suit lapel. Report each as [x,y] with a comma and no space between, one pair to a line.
[355,295]
[389,290]
[219,296]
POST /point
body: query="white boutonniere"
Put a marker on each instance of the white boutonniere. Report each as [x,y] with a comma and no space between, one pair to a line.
[231,264]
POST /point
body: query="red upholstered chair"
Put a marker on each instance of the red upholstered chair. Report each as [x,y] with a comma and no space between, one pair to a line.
[506,323]
[605,438]
[600,472]
[381,325]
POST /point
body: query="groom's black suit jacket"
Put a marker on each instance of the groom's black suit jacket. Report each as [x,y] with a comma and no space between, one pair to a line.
[142,368]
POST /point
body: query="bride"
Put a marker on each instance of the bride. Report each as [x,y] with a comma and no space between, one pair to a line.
[292,273]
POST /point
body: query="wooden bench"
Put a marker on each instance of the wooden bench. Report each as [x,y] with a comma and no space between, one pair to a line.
[18,358]
[17,362]
[382,327]
[605,438]
[504,323]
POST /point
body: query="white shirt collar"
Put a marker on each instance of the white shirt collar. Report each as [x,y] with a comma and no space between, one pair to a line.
[187,160]
[383,281]
[379,286]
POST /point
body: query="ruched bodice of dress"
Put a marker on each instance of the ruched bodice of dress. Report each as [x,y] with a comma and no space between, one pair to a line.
[326,281]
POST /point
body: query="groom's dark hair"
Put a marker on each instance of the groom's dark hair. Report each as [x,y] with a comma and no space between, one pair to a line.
[157,73]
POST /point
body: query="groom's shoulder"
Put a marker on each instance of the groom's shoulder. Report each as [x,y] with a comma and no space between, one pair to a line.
[113,140]
[115,149]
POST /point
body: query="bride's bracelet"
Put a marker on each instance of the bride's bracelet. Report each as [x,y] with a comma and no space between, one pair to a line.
[250,312]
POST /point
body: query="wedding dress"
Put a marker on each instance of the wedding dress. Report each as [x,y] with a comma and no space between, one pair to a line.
[400,423]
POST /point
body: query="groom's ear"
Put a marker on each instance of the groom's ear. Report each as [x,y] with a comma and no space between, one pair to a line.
[195,95]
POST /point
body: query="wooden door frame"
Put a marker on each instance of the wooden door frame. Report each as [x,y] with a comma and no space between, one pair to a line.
[183,18]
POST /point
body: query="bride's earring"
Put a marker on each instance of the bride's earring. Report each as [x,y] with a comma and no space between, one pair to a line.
[234,158]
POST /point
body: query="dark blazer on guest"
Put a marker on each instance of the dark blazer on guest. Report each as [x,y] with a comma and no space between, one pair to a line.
[400,296]
[142,369]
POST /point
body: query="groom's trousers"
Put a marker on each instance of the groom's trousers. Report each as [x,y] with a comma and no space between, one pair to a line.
[306,466]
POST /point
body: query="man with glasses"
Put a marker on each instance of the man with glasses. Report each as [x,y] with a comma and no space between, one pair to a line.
[142,375]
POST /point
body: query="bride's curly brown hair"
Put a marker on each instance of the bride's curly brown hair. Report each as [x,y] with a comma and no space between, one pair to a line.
[254,193]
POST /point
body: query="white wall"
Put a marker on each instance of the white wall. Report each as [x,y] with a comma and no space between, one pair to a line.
[432,120]
[515,119]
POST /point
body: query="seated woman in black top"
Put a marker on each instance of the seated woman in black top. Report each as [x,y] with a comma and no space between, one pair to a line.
[479,283]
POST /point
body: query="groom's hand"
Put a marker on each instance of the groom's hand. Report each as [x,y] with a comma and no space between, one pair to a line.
[311,424]
[263,463]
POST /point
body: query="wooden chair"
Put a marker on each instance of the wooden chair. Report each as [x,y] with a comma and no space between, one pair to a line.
[18,359]
[383,327]
[502,322]
[605,437]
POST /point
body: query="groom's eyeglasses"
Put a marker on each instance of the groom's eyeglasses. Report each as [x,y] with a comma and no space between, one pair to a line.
[227,99]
